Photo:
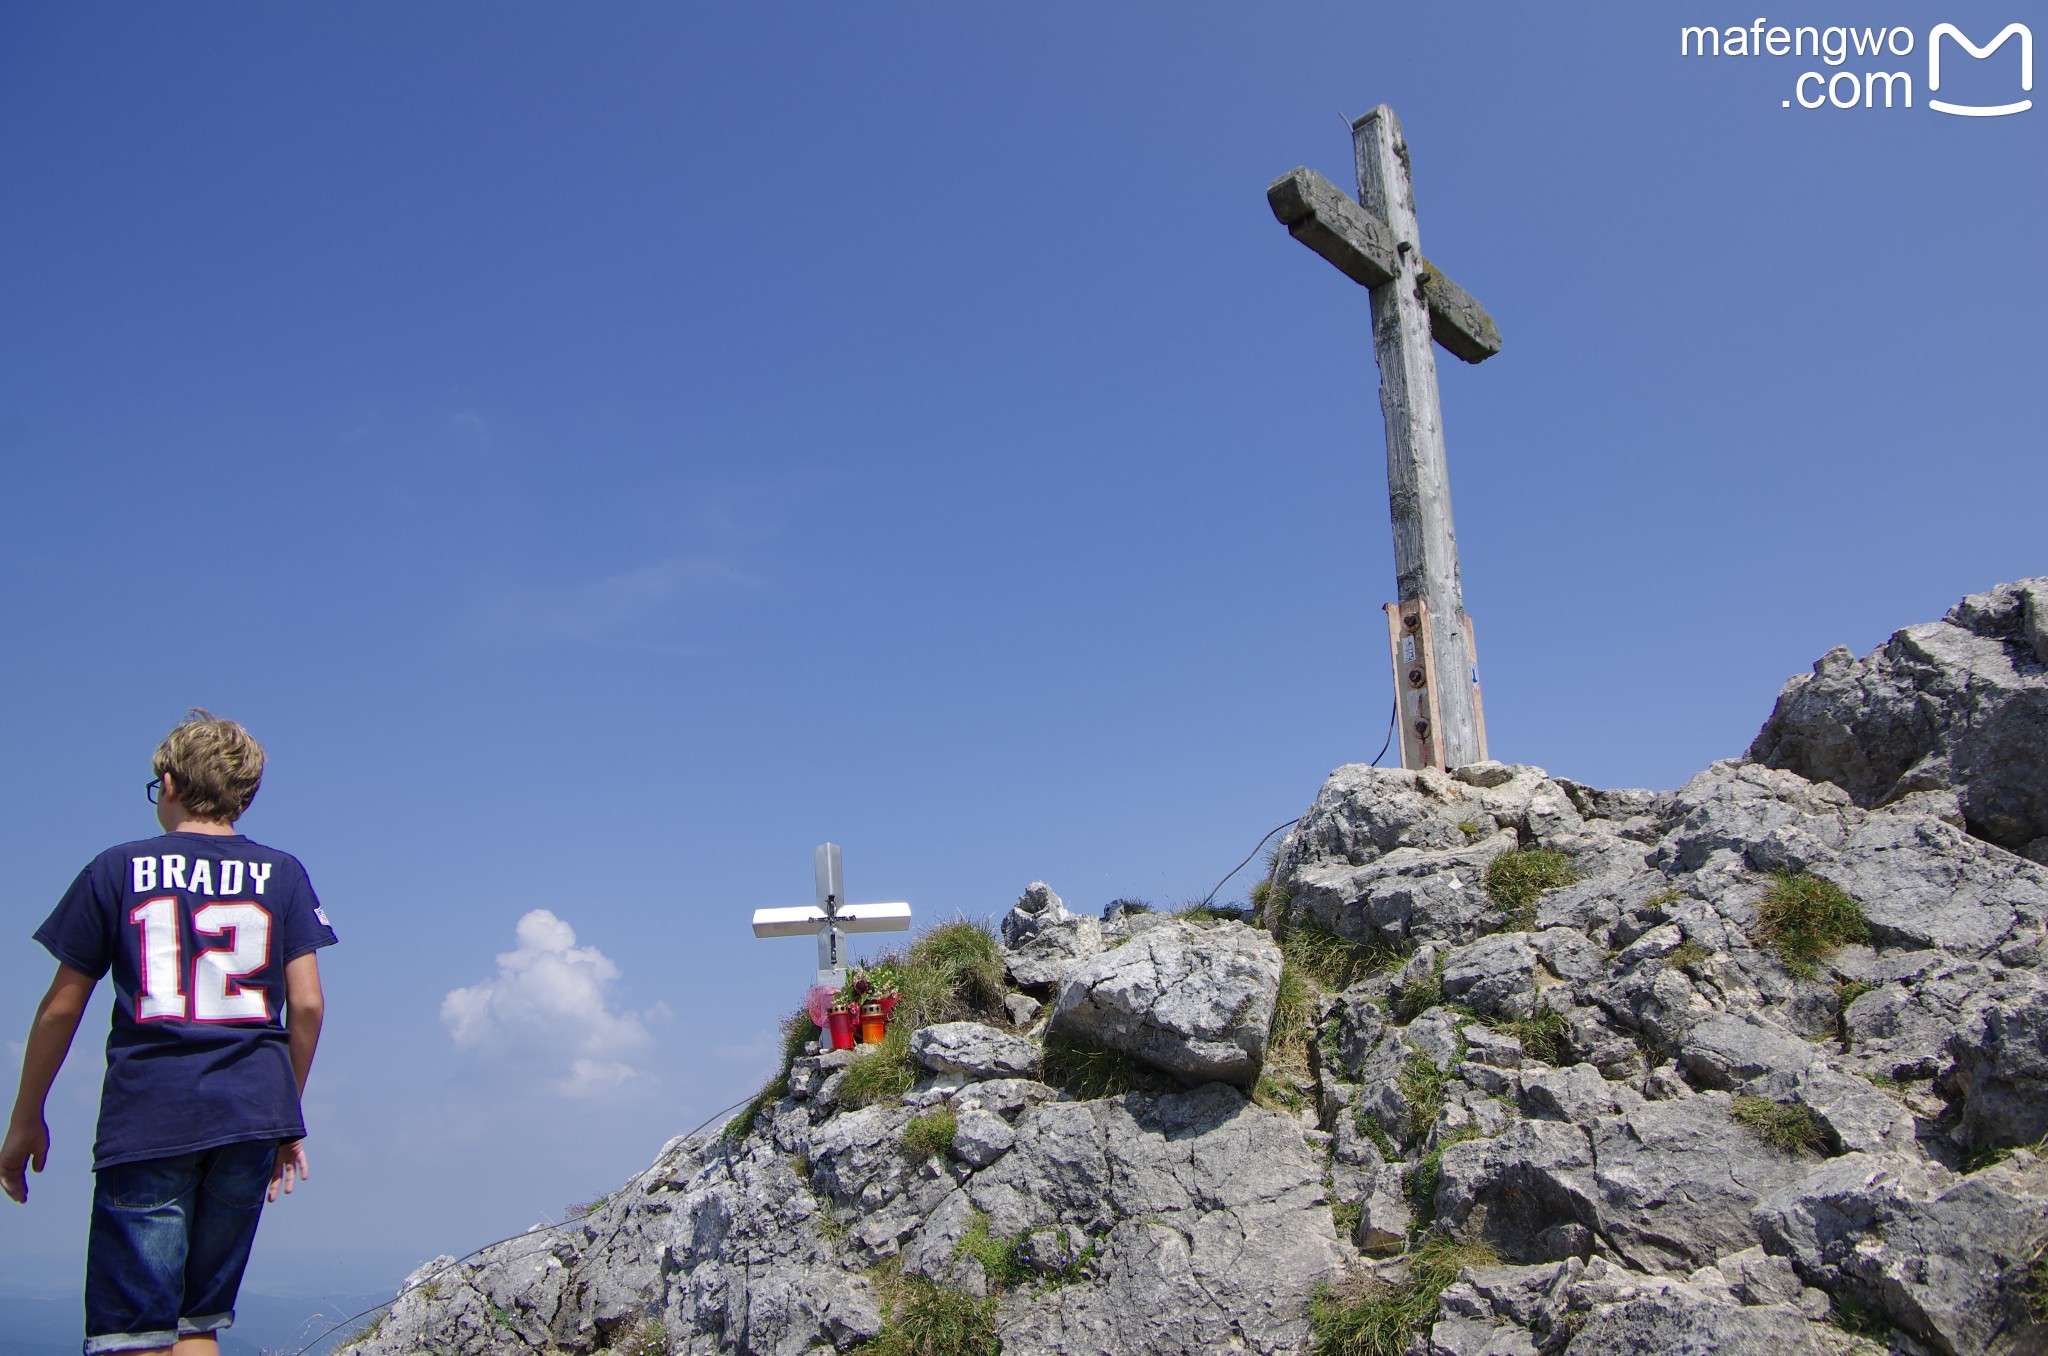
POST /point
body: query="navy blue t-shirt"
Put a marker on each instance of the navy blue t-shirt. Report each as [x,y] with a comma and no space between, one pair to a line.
[196,929]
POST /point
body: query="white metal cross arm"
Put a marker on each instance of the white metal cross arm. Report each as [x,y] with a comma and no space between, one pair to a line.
[831,917]
[805,919]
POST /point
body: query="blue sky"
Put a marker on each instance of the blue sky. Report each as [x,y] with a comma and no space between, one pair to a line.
[604,451]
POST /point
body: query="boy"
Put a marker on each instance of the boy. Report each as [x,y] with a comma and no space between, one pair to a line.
[211,940]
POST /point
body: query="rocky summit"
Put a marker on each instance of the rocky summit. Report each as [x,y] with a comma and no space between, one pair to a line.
[1498,1064]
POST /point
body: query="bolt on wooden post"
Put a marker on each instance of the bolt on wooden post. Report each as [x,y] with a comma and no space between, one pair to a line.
[1415,305]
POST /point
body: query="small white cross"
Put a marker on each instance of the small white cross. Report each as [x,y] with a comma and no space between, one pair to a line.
[830,918]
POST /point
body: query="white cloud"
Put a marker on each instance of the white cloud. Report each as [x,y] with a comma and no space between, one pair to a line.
[547,1010]
[609,610]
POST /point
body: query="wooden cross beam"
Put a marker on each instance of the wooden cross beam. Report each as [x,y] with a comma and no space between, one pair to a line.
[1376,244]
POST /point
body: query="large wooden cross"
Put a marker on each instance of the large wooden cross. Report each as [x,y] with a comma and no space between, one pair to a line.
[1435,661]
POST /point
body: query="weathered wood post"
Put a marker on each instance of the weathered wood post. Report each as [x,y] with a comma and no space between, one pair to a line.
[1435,660]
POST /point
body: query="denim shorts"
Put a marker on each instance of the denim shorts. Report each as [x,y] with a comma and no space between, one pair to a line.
[170,1237]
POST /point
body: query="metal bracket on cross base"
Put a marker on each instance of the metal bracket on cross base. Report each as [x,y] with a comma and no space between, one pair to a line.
[1418,717]
[1415,685]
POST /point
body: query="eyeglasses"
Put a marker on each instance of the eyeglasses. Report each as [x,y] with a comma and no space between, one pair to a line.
[155,785]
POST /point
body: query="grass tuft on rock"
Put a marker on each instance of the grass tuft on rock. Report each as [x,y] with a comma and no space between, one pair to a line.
[648,1337]
[1087,1070]
[1804,919]
[1857,1319]
[2035,1291]
[1287,1042]
[1369,1126]
[1335,963]
[923,1318]
[1790,1126]
[1272,902]
[930,1136]
[1003,1260]
[880,1073]
[1687,956]
[1515,879]
[1422,1083]
[1422,1183]
[1009,1262]
[1199,912]
[1412,1000]
[1543,1035]
[953,973]
[1363,1315]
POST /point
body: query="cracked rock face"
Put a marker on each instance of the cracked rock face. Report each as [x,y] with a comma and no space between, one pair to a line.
[1958,706]
[1945,1256]
[970,1050]
[1044,939]
[1192,999]
[1658,1134]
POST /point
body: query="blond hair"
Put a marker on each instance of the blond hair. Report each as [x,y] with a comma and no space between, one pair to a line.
[218,765]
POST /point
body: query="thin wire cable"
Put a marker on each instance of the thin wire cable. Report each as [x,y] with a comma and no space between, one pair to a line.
[1392,716]
[544,1229]
[1246,862]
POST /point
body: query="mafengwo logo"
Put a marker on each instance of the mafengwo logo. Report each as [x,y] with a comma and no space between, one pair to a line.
[1863,67]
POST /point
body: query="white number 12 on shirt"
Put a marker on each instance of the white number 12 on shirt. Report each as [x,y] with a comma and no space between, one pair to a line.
[215,995]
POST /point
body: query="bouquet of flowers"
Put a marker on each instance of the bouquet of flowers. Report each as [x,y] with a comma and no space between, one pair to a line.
[879,982]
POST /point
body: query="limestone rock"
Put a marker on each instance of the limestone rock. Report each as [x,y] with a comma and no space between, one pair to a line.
[1683,1322]
[1036,909]
[1006,1097]
[1496,975]
[2000,1068]
[1562,1091]
[1666,1186]
[1195,1001]
[1945,1257]
[1960,703]
[1210,1212]
[981,1137]
[1042,939]
[973,1051]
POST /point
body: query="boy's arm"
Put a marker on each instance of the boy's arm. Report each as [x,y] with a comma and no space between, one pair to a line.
[304,1007]
[49,1040]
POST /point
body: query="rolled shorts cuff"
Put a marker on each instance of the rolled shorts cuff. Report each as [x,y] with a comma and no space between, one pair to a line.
[128,1341]
[205,1323]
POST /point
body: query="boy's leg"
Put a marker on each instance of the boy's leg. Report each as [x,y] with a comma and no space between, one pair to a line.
[225,1212]
[135,1254]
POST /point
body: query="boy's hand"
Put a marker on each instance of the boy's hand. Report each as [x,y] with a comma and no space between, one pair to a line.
[290,1168]
[26,1146]
[28,1135]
